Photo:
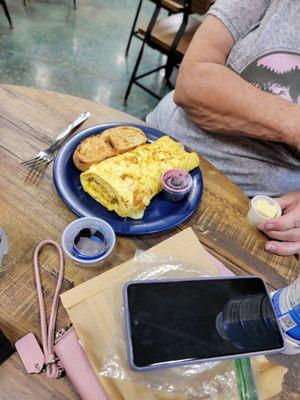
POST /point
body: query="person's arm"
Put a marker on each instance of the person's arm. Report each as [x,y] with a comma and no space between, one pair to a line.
[286,229]
[219,100]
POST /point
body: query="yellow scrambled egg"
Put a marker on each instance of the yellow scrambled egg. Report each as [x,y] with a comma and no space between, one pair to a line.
[127,183]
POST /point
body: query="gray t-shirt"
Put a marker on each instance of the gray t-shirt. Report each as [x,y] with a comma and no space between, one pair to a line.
[266,53]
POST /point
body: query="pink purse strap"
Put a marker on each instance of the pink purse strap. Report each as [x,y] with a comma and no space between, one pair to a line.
[52,368]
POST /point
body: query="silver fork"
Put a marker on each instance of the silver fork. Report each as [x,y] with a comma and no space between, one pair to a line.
[44,157]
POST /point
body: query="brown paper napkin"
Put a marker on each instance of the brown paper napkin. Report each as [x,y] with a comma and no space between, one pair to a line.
[91,312]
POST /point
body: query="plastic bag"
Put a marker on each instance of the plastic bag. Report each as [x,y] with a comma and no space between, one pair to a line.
[213,380]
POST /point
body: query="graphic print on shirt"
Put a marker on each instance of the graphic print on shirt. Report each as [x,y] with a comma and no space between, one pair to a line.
[277,73]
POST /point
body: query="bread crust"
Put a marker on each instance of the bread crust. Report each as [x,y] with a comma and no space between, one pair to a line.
[109,143]
[92,150]
[125,138]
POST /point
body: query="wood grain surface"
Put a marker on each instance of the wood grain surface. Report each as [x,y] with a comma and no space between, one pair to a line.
[32,211]
[165,30]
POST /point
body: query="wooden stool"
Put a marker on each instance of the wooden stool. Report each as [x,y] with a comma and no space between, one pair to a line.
[171,36]
[165,30]
[171,6]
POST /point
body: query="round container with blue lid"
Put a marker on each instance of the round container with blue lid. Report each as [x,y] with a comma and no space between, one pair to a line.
[89,240]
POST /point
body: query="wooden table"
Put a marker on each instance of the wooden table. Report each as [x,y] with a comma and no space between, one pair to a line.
[29,120]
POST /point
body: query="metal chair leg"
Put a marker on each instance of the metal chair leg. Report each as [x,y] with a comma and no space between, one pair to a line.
[172,54]
[6,12]
[74,4]
[133,76]
[169,69]
[146,40]
[133,27]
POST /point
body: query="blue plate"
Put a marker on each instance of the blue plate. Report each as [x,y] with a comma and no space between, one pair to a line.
[159,216]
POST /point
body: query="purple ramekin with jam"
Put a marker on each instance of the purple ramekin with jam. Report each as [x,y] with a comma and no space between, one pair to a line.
[177,184]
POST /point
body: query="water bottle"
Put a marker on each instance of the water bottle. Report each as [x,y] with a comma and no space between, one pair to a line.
[286,303]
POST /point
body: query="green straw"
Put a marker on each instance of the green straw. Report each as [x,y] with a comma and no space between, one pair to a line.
[245,379]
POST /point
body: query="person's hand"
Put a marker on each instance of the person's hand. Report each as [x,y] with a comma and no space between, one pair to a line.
[286,229]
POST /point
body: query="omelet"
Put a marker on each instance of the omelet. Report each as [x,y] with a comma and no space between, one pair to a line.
[126,183]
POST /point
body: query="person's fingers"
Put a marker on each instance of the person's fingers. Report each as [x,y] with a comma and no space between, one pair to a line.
[289,199]
[284,201]
[291,235]
[283,223]
[283,248]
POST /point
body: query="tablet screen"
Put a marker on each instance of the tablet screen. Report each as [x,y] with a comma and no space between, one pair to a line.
[199,319]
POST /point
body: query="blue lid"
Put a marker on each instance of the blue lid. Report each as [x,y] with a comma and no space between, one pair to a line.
[88,240]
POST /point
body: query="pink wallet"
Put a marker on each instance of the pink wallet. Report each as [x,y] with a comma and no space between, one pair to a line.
[66,354]
[73,359]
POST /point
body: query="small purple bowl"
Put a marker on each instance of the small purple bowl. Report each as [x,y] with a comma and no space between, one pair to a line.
[177,184]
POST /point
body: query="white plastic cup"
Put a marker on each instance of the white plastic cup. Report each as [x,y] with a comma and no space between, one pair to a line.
[76,226]
[254,217]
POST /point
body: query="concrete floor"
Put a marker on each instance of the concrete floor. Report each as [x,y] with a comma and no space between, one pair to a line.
[77,52]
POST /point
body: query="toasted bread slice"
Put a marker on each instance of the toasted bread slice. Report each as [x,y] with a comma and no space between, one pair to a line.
[125,138]
[92,150]
[109,143]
